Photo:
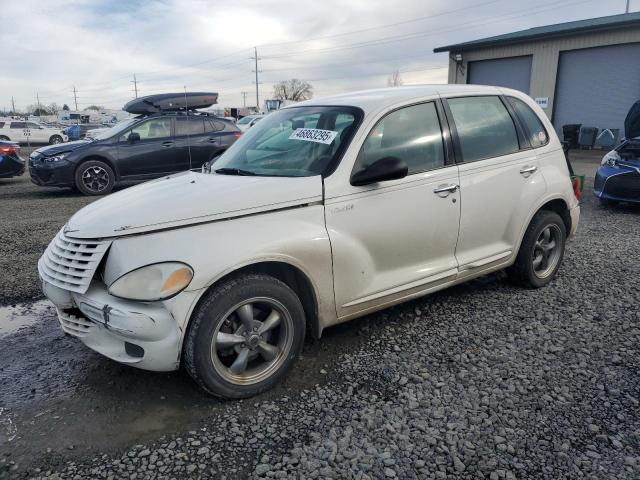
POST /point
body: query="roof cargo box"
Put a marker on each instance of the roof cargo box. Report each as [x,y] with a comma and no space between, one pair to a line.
[170,102]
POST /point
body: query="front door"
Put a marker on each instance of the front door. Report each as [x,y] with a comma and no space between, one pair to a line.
[499,180]
[150,151]
[394,239]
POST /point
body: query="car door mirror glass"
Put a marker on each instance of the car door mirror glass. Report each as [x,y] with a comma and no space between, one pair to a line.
[387,168]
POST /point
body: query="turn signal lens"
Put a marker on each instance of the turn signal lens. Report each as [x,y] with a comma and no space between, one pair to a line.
[178,280]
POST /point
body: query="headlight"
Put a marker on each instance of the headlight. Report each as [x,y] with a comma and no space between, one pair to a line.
[159,281]
[610,159]
[55,158]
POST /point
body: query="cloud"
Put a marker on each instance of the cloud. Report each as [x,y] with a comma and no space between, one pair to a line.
[98,45]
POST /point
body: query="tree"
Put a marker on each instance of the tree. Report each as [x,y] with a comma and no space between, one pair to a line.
[54,108]
[95,107]
[294,89]
[65,107]
[394,80]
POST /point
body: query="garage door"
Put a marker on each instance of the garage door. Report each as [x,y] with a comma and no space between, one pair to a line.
[513,72]
[597,86]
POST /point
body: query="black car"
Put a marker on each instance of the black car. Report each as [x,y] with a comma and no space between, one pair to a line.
[166,136]
[11,165]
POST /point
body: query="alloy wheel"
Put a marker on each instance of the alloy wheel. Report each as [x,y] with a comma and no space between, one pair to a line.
[95,179]
[547,251]
[253,341]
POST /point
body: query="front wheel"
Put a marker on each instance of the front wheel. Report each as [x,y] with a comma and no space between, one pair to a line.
[55,139]
[94,178]
[541,251]
[244,336]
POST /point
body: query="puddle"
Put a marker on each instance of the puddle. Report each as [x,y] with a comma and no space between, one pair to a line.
[16,317]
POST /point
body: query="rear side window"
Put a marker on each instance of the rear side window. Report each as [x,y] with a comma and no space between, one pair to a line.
[189,126]
[536,132]
[213,126]
[484,127]
[18,125]
[412,134]
[1,124]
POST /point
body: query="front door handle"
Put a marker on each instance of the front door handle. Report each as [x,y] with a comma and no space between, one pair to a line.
[213,140]
[167,144]
[446,189]
[528,170]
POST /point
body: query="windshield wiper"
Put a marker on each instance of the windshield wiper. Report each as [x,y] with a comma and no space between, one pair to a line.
[234,171]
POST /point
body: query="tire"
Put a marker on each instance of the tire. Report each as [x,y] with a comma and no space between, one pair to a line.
[537,262]
[605,202]
[55,139]
[94,178]
[243,366]
[4,138]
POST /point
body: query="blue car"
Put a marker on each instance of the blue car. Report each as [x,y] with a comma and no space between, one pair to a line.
[618,178]
[11,165]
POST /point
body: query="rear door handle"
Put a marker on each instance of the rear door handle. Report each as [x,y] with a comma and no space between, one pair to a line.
[447,189]
[528,170]
[168,144]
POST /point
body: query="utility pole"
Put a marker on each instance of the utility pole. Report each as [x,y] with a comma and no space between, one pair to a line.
[13,105]
[244,98]
[135,84]
[627,10]
[75,97]
[255,57]
[38,103]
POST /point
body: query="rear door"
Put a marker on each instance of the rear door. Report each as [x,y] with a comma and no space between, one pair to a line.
[153,154]
[499,179]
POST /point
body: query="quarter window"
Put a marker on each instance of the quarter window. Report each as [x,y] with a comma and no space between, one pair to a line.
[213,126]
[536,132]
[484,127]
[412,134]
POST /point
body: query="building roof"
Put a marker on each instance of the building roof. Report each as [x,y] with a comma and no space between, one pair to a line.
[382,98]
[549,31]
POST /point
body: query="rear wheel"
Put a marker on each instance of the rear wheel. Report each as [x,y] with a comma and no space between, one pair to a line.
[55,139]
[244,336]
[541,251]
[94,178]
[3,138]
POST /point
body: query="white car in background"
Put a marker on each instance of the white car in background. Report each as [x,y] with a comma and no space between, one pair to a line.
[327,211]
[245,123]
[31,132]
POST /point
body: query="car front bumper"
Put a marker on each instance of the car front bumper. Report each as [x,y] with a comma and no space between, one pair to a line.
[144,335]
[51,175]
[621,184]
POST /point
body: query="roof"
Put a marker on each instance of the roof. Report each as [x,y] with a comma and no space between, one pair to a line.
[370,100]
[550,31]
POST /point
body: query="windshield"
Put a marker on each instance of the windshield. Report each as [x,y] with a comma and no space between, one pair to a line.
[117,128]
[293,142]
[244,120]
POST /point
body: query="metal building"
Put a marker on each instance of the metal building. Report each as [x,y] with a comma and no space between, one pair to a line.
[585,72]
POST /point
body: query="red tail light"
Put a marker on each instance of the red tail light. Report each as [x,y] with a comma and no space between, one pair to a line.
[576,188]
[237,135]
[8,149]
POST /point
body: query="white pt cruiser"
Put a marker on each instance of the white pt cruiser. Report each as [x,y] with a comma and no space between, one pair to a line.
[323,212]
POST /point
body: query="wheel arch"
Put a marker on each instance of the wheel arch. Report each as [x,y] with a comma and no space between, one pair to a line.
[555,204]
[287,273]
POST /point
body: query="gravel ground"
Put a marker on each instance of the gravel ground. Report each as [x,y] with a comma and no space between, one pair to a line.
[484,380]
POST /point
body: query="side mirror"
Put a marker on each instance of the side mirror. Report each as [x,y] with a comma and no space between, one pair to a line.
[133,137]
[206,166]
[387,168]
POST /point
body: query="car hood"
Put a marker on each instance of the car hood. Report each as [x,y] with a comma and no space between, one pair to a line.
[632,121]
[189,198]
[61,148]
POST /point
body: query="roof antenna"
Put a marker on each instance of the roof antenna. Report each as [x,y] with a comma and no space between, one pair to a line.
[186,108]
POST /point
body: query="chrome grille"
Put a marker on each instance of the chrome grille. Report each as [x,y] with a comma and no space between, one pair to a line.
[75,325]
[70,263]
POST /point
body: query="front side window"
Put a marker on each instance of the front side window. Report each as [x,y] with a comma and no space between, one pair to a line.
[18,125]
[189,126]
[536,132]
[293,142]
[412,134]
[153,129]
[484,126]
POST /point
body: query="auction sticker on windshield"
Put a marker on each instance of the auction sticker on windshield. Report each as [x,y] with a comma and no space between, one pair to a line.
[314,135]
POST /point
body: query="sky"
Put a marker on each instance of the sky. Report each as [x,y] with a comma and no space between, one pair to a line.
[96,46]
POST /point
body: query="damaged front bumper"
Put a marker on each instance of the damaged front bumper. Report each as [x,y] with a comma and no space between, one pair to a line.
[140,334]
